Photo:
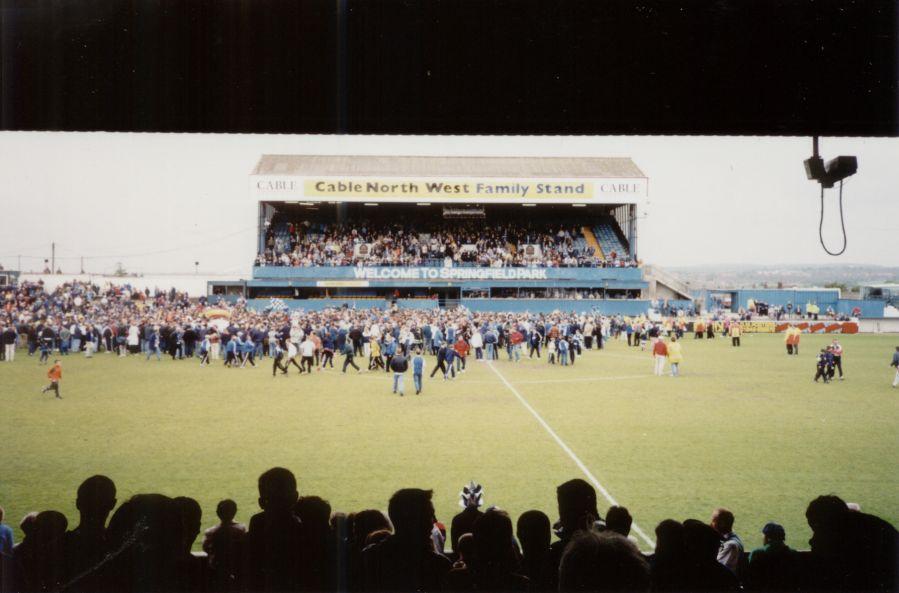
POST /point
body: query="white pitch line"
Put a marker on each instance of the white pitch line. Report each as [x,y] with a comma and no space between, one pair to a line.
[570,453]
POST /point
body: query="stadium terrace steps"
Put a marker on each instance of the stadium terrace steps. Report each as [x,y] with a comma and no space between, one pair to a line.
[609,240]
[590,238]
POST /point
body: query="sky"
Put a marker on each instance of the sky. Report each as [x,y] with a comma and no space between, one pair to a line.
[158,203]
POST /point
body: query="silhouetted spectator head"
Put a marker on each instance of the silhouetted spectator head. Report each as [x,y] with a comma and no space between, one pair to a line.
[314,512]
[376,537]
[722,521]
[50,524]
[826,512]
[42,566]
[27,523]
[701,541]
[670,537]
[412,513]
[577,505]
[602,561]
[533,530]
[96,499]
[145,532]
[191,516]
[277,490]
[774,533]
[226,510]
[493,539]
[367,522]
[465,548]
[619,520]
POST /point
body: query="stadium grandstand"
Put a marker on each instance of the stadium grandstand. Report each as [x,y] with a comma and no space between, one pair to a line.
[487,233]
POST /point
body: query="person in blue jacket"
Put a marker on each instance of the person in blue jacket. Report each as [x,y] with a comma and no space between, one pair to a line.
[436,340]
[418,369]
[490,343]
[231,351]
[389,353]
[247,352]
[153,345]
[327,349]
[563,352]
[449,357]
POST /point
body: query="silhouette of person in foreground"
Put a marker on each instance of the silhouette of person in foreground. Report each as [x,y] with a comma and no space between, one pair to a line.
[470,499]
[87,545]
[494,563]
[191,572]
[361,526]
[39,560]
[223,544]
[577,512]
[406,561]
[850,550]
[277,556]
[772,567]
[534,535]
[702,571]
[602,561]
[315,515]
[619,520]
[145,540]
[667,563]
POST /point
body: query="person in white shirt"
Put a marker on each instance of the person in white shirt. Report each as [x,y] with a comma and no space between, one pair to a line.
[731,548]
[296,336]
[477,343]
[133,340]
[307,351]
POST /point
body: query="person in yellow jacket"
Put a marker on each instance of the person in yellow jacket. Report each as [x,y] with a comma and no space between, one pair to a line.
[736,330]
[675,356]
[375,361]
[792,339]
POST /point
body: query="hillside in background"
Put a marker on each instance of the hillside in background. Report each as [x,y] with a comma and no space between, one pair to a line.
[746,275]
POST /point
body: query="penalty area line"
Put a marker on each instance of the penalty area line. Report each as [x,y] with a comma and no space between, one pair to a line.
[568,450]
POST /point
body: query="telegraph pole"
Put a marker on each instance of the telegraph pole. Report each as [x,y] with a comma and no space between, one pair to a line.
[52,258]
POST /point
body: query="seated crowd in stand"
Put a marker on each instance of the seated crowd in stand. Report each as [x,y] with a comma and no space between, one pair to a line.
[449,243]
[297,543]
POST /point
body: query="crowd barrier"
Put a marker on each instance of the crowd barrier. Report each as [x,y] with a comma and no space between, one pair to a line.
[771,327]
[820,327]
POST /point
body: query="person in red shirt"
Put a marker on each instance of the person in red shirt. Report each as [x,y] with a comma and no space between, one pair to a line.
[461,347]
[659,354]
[54,374]
[516,338]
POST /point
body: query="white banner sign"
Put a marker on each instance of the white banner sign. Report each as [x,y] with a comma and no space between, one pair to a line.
[450,273]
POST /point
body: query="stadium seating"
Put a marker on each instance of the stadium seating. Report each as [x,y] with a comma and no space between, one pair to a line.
[497,244]
[607,235]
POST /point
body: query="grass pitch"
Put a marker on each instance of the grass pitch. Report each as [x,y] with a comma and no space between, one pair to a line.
[742,427]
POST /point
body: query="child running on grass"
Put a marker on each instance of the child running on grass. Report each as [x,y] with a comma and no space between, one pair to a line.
[54,374]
